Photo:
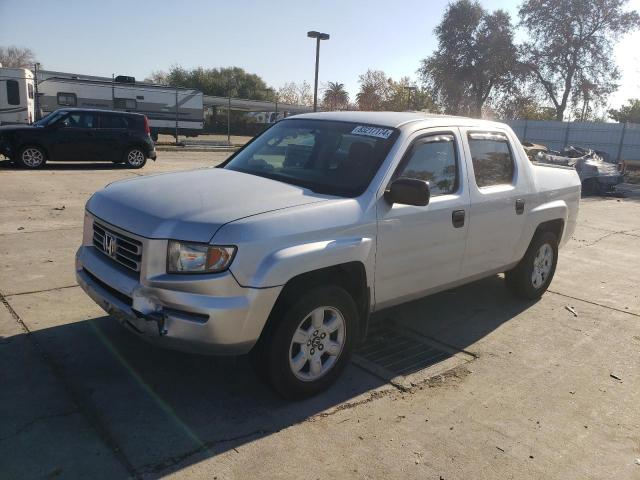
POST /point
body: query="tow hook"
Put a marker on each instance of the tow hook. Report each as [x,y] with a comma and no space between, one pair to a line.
[157,317]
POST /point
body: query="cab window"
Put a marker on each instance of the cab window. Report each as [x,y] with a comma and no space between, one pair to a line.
[13,92]
[492,159]
[125,103]
[67,99]
[434,160]
[112,121]
[80,120]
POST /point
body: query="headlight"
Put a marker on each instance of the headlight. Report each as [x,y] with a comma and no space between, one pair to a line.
[186,257]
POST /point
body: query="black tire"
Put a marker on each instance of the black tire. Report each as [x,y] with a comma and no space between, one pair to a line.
[31,157]
[135,157]
[271,357]
[520,280]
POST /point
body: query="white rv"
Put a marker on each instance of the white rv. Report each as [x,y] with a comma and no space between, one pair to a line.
[167,108]
[16,96]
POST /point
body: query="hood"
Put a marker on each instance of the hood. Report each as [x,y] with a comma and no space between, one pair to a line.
[192,205]
[14,128]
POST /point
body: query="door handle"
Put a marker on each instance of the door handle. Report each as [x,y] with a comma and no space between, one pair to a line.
[519,206]
[457,218]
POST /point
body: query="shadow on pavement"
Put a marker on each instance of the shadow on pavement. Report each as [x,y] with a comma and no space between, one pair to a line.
[161,407]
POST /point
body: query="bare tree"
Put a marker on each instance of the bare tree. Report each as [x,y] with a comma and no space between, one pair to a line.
[17,57]
[296,93]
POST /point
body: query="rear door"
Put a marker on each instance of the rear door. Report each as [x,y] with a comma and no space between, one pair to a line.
[421,248]
[75,138]
[112,136]
[498,191]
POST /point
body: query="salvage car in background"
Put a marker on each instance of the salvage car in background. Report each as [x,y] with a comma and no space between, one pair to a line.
[597,174]
[286,248]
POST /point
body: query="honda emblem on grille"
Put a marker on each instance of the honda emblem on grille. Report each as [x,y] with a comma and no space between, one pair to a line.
[110,244]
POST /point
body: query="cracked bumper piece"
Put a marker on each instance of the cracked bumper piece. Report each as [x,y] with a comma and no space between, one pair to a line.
[220,318]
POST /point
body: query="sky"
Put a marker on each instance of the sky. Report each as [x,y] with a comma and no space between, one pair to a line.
[263,37]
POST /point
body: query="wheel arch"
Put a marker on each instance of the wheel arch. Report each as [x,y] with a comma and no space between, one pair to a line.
[26,144]
[351,276]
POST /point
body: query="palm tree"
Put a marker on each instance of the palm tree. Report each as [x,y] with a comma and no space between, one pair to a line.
[335,96]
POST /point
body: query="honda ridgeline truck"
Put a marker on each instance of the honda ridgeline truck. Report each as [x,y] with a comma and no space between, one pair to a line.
[285,249]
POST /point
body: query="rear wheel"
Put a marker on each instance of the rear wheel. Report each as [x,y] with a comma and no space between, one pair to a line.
[31,157]
[532,276]
[135,158]
[310,342]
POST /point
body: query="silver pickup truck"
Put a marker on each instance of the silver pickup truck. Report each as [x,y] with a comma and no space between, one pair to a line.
[286,248]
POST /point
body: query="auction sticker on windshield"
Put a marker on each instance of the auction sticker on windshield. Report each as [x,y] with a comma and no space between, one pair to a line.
[372,131]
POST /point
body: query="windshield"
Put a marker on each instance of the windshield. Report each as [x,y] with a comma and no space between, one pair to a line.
[338,158]
[50,118]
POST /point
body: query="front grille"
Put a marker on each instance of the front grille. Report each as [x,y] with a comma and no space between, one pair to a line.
[118,247]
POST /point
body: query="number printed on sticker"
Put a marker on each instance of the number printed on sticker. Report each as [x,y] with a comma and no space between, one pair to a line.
[372,131]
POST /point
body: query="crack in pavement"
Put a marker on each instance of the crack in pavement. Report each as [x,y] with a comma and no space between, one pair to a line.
[595,303]
[32,422]
[79,227]
[9,295]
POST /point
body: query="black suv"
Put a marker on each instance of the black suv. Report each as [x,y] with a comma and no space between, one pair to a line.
[80,134]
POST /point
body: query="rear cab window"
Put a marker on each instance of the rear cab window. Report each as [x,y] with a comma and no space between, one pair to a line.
[492,159]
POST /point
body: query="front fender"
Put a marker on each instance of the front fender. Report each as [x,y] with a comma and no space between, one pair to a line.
[281,265]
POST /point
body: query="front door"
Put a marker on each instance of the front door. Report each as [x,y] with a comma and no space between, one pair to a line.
[75,137]
[421,248]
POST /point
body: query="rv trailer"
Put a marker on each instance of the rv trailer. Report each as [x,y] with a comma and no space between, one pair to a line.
[167,108]
[16,96]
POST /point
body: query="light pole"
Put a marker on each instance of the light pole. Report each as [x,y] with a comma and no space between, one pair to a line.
[318,36]
[229,80]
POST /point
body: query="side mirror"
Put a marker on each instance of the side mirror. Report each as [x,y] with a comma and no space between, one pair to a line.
[408,191]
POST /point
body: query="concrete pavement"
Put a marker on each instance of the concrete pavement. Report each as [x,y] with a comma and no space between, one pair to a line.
[535,391]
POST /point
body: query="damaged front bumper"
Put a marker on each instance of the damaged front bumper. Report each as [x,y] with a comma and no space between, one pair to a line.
[209,314]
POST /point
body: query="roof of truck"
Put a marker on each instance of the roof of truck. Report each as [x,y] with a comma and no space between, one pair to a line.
[393,119]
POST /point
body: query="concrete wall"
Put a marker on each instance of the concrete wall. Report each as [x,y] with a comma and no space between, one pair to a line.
[620,141]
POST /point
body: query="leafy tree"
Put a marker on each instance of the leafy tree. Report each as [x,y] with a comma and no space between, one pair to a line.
[335,97]
[627,113]
[17,57]
[475,57]
[375,90]
[221,82]
[521,106]
[404,95]
[571,46]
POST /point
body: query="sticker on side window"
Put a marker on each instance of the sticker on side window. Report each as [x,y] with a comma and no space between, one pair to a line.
[372,131]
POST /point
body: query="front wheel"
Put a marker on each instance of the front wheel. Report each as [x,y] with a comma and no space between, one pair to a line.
[310,343]
[135,158]
[532,276]
[31,157]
